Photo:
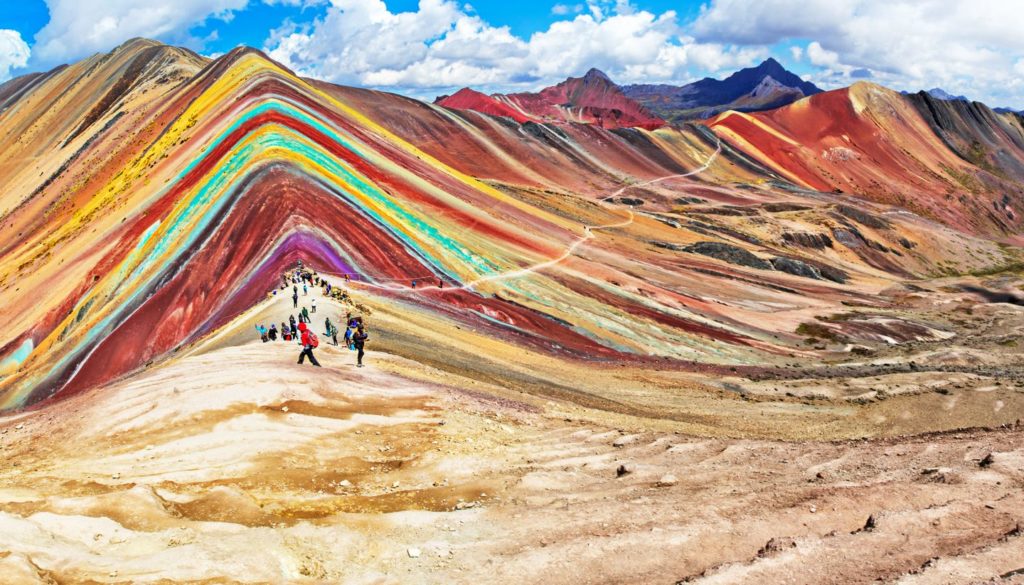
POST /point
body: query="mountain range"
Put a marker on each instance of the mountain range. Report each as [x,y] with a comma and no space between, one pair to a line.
[595,98]
[154,158]
[592,99]
[767,86]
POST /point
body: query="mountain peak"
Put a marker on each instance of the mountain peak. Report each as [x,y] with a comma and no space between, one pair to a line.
[941,94]
[596,75]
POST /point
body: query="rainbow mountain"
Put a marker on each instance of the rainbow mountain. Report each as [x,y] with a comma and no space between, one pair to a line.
[151,196]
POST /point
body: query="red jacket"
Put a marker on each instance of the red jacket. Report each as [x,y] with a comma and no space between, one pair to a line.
[306,341]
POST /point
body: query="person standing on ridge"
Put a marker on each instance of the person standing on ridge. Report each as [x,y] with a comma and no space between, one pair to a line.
[358,340]
[309,343]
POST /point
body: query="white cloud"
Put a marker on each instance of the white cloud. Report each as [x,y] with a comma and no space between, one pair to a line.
[822,57]
[797,52]
[81,27]
[563,9]
[14,52]
[443,46]
[964,46]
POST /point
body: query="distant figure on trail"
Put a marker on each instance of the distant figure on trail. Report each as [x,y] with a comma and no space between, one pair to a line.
[286,332]
[330,330]
[359,339]
[348,338]
[295,300]
[309,343]
[414,284]
[304,290]
[262,331]
[304,315]
[440,283]
[272,333]
[312,303]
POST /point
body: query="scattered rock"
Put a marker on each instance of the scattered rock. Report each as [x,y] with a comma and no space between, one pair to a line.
[870,524]
[624,440]
[667,480]
[775,545]
[807,240]
[795,267]
[623,469]
[986,461]
[862,217]
[728,253]
[414,553]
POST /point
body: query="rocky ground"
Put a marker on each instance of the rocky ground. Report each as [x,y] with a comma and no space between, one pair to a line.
[232,464]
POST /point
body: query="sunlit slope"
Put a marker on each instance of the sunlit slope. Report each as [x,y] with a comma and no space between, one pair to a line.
[873,142]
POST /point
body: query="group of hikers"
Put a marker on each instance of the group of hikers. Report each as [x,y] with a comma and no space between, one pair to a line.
[355,332]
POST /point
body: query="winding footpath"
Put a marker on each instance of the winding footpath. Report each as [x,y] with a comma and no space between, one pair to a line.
[587,236]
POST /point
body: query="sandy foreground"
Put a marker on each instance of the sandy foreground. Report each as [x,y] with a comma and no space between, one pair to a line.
[233,464]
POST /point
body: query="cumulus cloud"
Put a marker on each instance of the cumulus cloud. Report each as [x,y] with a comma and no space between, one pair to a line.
[82,27]
[14,52]
[443,45]
[966,46]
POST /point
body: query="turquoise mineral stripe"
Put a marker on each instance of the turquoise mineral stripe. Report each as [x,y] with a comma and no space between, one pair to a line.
[480,264]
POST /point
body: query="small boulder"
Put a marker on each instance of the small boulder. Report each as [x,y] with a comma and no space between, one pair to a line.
[667,480]
[414,553]
[624,440]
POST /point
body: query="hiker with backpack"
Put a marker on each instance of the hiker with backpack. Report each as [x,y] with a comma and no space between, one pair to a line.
[272,333]
[358,340]
[309,343]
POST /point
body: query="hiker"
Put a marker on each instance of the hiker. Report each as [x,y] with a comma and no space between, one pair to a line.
[348,338]
[304,315]
[331,330]
[262,332]
[414,284]
[309,343]
[312,303]
[440,283]
[286,332]
[272,333]
[304,291]
[358,340]
[295,300]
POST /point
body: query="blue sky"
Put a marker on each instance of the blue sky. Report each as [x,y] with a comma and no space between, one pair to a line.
[427,47]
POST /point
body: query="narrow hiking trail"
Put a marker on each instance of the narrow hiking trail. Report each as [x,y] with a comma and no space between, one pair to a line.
[588,234]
